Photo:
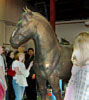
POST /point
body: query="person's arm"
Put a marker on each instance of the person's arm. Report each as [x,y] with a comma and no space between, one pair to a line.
[30,65]
[3,77]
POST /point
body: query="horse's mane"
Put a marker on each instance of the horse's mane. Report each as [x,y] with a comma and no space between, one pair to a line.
[41,17]
[37,15]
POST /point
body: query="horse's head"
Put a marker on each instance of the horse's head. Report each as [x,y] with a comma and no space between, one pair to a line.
[26,28]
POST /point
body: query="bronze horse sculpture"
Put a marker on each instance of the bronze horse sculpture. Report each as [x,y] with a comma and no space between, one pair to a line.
[52,60]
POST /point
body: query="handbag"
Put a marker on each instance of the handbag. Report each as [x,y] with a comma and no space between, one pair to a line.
[11,72]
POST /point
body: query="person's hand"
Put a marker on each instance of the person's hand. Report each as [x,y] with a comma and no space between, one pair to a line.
[33,76]
[5,86]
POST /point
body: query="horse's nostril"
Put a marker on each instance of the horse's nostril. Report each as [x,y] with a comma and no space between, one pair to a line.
[13,44]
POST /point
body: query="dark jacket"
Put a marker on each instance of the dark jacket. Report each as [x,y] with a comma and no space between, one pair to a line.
[9,62]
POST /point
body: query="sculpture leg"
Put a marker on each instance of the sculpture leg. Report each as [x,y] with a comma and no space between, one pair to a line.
[54,82]
[42,88]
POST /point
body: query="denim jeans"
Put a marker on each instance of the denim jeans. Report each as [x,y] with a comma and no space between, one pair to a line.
[19,90]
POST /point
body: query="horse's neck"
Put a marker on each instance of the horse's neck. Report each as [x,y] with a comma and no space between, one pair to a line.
[43,46]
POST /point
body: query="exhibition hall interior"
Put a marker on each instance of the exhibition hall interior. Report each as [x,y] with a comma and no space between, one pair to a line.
[38,49]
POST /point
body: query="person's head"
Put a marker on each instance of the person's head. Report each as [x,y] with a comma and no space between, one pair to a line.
[1,50]
[80,53]
[20,49]
[21,57]
[31,51]
[4,50]
[11,54]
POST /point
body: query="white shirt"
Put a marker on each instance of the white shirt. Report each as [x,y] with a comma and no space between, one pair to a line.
[2,63]
[20,79]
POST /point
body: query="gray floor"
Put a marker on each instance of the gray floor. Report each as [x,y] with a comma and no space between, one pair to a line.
[38,97]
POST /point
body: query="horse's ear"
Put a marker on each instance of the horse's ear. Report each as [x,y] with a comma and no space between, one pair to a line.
[24,9]
[28,10]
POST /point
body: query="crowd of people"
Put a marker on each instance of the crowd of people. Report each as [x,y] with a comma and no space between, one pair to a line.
[17,77]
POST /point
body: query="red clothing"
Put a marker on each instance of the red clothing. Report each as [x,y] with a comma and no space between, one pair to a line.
[2,92]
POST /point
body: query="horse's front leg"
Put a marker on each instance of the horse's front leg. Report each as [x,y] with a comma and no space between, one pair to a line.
[42,88]
[54,82]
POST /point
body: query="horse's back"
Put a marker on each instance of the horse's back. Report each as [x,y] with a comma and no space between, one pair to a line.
[65,60]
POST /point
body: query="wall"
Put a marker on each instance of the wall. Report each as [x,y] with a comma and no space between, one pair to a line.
[69,29]
[10,11]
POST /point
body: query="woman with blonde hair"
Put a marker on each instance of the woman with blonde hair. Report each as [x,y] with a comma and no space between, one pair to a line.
[19,80]
[78,86]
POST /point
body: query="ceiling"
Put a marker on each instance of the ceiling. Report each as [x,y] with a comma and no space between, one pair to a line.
[65,9]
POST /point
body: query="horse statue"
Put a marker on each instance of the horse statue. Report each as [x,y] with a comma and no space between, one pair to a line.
[52,60]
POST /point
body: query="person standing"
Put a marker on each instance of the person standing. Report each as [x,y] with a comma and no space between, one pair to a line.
[19,80]
[31,92]
[5,63]
[9,60]
[78,86]
[3,85]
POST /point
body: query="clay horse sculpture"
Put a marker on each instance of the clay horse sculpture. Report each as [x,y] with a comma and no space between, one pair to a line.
[52,60]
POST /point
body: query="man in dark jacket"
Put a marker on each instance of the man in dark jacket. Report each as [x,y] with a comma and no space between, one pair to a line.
[31,92]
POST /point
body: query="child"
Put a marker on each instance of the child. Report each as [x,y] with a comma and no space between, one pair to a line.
[78,86]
